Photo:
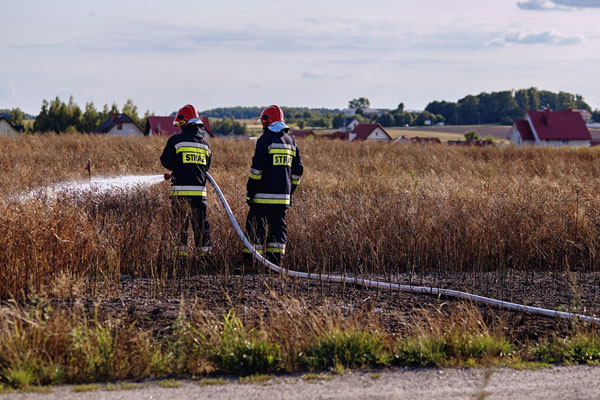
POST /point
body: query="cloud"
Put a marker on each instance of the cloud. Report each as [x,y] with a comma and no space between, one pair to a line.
[541,37]
[557,4]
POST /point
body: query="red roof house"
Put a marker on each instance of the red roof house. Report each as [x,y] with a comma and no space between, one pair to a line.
[164,126]
[369,132]
[551,128]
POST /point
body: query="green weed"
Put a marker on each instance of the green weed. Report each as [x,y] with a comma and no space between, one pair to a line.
[337,350]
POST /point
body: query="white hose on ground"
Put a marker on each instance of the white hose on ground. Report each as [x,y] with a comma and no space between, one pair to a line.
[392,286]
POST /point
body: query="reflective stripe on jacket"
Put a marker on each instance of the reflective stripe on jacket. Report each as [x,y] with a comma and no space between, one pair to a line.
[276,170]
[188,155]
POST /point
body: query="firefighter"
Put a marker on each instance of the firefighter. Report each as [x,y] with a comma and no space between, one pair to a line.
[188,155]
[274,176]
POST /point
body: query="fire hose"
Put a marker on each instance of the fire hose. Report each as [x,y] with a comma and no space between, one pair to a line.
[388,285]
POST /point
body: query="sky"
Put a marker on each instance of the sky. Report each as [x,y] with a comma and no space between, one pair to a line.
[315,53]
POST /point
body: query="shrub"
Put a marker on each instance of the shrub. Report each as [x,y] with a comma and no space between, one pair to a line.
[243,353]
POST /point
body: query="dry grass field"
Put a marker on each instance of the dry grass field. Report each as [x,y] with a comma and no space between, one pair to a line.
[516,224]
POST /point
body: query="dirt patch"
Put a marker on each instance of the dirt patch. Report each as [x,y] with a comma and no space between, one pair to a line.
[156,308]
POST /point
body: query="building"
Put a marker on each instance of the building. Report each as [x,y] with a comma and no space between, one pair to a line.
[306,134]
[7,128]
[550,128]
[586,115]
[369,132]
[120,125]
[164,126]
[349,124]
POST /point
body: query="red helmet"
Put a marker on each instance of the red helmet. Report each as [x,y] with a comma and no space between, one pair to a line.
[187,115]
[270,116]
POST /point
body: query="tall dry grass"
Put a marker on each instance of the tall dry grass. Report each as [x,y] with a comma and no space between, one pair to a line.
[361,208]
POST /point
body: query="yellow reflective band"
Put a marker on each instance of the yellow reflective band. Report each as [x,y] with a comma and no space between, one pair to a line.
[188,193]
[254,176]
[188,149]
[275,250]
[283,151]
[271,201]
[295,181]
[249,252]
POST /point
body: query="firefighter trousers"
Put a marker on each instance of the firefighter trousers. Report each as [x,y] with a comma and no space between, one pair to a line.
[267,231]
[191,209]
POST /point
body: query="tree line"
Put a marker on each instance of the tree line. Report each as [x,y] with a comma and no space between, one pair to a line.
[58,116]
[501,107]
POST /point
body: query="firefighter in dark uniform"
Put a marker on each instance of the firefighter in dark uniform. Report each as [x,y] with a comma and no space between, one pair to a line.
[274,176]
[188,155]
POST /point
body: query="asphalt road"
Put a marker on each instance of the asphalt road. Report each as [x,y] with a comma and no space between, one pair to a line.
[579,382]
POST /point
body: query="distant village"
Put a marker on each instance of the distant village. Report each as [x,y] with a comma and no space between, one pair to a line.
[537,128]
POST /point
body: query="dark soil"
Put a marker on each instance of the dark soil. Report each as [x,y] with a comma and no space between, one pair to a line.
[156,308]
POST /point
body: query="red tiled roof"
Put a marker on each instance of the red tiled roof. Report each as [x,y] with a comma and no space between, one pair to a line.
[559,125]
[524,129]
[161,126]
[363,131]
[164,126]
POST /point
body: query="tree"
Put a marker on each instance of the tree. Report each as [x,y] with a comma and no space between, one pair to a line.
[17,116]
[338,120]
[90,119]
[228,126]
[471,135]
[386,120]
[362,103]
[424,116]
[131,110]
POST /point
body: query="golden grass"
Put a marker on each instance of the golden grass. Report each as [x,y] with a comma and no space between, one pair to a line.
[362,208]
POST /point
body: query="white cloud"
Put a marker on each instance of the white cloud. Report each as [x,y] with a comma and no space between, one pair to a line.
[557,4]
[540,37]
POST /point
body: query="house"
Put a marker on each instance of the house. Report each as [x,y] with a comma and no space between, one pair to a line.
[369,132]
[349,124]
[336,135]
[120,125]
[7,128]
[586,115]
[164,126]
[550,128]
[306,134]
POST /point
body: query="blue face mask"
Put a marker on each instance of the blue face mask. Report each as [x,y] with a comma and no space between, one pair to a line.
[278,126]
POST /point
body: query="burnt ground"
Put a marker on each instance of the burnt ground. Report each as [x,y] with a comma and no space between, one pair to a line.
[156,307]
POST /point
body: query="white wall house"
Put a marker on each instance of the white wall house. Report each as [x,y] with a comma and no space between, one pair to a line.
[8,129]
[369,132]
[120,125]
[550,128]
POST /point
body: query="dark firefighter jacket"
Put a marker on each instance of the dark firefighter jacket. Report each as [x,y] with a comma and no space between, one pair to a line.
[188,155]
[276,170]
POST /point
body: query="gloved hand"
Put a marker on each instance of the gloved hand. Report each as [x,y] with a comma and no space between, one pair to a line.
[249,200]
